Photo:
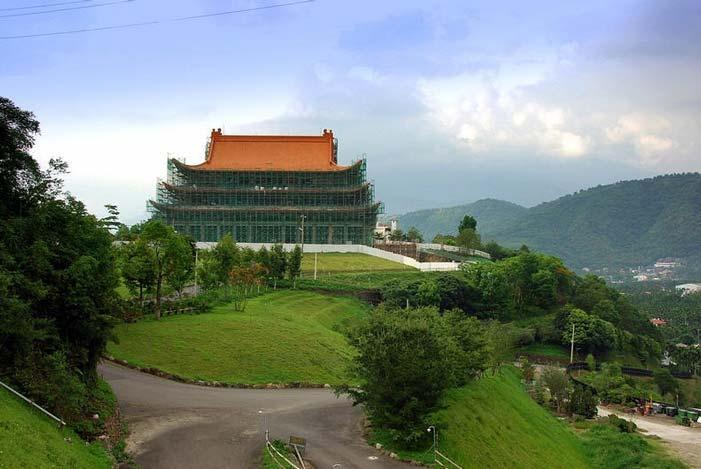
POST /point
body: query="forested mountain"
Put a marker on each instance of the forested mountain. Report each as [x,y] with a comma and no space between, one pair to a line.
[493,215]
[624,224]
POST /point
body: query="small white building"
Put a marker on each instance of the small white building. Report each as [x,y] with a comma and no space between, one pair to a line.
[383,230]
[686,288]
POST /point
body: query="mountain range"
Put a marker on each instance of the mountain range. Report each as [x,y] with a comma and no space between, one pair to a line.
[628,223]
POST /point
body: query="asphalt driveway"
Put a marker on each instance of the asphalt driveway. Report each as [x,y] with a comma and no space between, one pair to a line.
[175,425]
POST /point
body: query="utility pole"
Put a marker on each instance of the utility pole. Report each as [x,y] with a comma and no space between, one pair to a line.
[315,265]
[432,429]
[302,230]
[196,268]
[572,345]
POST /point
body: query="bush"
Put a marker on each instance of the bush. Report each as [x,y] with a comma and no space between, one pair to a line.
[623,425]
[582,402]
[49,380]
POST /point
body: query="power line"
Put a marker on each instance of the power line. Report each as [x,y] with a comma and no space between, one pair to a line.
[65,9]
[44,5]
[148,23]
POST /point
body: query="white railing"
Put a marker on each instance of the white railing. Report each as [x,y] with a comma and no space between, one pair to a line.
[272,450]
[444,461]
[26,399]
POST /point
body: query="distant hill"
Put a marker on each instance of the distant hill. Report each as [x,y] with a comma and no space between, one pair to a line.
[492,215]
[624,224]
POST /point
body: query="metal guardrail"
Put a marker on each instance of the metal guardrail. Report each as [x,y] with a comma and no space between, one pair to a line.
[26,399]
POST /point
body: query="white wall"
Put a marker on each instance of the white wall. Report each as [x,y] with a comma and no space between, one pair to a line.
[353,248]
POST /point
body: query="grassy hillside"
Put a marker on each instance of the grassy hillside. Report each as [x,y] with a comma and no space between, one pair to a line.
[493,422]
[336,262]
[281,337]
[491,215]
[29,439]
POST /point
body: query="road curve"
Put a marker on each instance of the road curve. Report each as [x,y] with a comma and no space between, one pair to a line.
[175,425]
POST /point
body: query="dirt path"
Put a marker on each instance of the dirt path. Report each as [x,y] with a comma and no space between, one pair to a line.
[175,425]
[685,442]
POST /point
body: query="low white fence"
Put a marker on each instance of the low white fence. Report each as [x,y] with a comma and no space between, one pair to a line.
[354,248]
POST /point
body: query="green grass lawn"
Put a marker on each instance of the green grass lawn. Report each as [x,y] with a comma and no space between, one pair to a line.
[546,350]
[281,337]
[493,422]
[28,439]
[365,280]
[335,262]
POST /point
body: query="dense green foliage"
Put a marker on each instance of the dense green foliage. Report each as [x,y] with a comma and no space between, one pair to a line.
[282,337]
[57,278]
[629,223]
[682,312]
[29,439]
[406,360]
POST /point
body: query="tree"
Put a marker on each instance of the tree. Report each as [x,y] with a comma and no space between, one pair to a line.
[57,276]
[582,402]
[227,256]
[207,271]
[138,268]
[397,235]
[294,266]
[448,240]
[111,221]
[242,279]
[468,239]
[556,381]
[414,235]
[468,222]
[591,334]
[278,263]
[496,251]
[665,382]
[527,370]
[159,238]
[20,175]
[405,361]
[179,262]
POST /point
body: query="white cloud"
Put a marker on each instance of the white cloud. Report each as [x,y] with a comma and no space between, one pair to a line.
[646,133]
[488,112]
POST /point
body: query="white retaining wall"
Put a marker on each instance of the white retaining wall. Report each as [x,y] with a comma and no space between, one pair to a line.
[354,248]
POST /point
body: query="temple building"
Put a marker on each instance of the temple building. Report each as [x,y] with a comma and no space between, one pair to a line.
[269,189]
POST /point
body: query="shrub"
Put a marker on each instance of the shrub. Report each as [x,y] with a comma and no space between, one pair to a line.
[582,402]
[623,425]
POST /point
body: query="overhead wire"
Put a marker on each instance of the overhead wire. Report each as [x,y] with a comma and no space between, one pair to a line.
[44,12]
[45,5]
[153,22]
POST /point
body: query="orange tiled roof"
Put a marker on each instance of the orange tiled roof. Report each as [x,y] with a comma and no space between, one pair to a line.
[270,153]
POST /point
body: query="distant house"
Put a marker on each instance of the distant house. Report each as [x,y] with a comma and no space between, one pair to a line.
[383,230]
[686,288]
[667,263]
[641,277]
[657,322]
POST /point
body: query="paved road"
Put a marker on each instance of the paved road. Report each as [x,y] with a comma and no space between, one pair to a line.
[175,425]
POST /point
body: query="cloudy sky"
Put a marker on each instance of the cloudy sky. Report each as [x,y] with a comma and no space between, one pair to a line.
[451,101]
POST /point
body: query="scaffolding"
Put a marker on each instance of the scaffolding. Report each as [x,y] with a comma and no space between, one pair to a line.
[337,206]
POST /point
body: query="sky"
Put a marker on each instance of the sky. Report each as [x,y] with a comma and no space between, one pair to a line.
[449,101]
